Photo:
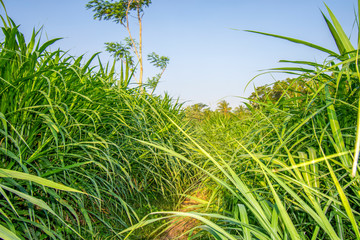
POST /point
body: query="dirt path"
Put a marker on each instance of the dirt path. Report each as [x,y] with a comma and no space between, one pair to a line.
[182,225]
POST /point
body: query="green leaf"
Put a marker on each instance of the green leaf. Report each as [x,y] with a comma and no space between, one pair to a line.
[31,199]
[244,219]
[335,35]
[283,212]
[336,130]
[342,36]
[36,179]
[298,42]
[6,234]
[47,44]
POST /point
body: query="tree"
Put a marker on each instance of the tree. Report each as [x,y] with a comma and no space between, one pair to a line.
[118,12]
[196,111]
[279,91]
[121,51]
[241,111]
[223,107]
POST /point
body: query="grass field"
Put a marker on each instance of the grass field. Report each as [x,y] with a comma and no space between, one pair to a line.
[85,155]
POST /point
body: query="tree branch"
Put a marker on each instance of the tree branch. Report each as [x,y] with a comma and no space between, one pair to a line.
[138,55]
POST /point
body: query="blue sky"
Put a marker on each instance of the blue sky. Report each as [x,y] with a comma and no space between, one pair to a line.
[209,61]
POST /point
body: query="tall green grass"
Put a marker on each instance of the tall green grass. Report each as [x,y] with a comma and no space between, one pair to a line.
[70,167]
[86,156]
[290,170]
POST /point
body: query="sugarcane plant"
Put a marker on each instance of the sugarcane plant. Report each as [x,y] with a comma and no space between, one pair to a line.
[292,172]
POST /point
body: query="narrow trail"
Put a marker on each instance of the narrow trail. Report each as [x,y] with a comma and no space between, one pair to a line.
[183,225]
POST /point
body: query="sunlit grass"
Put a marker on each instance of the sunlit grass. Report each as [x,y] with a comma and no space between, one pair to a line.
[290,170]
[86,156]
[70,167]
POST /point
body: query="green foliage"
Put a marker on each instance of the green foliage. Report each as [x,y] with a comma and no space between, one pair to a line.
[298,153]
[116,10]
[280,92]
[200,112]
[196,111]
[119,12]
[124,52]
[241,111]
[121,51]
[153,82]
[71,166]
[158,61]
[223,107]
[84,156]
[285,171]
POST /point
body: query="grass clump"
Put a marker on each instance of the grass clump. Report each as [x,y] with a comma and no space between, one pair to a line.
[65,121]
[85,156]
[288,170]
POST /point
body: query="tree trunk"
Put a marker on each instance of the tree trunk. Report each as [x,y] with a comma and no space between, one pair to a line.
[140,49]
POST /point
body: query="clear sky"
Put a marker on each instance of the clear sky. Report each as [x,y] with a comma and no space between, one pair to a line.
[209,61]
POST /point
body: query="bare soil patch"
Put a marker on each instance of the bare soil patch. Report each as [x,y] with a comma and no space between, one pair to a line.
[182,225]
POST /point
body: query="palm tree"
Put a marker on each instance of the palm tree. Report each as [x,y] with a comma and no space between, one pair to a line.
[240,111]
[196,111]
[223,107]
